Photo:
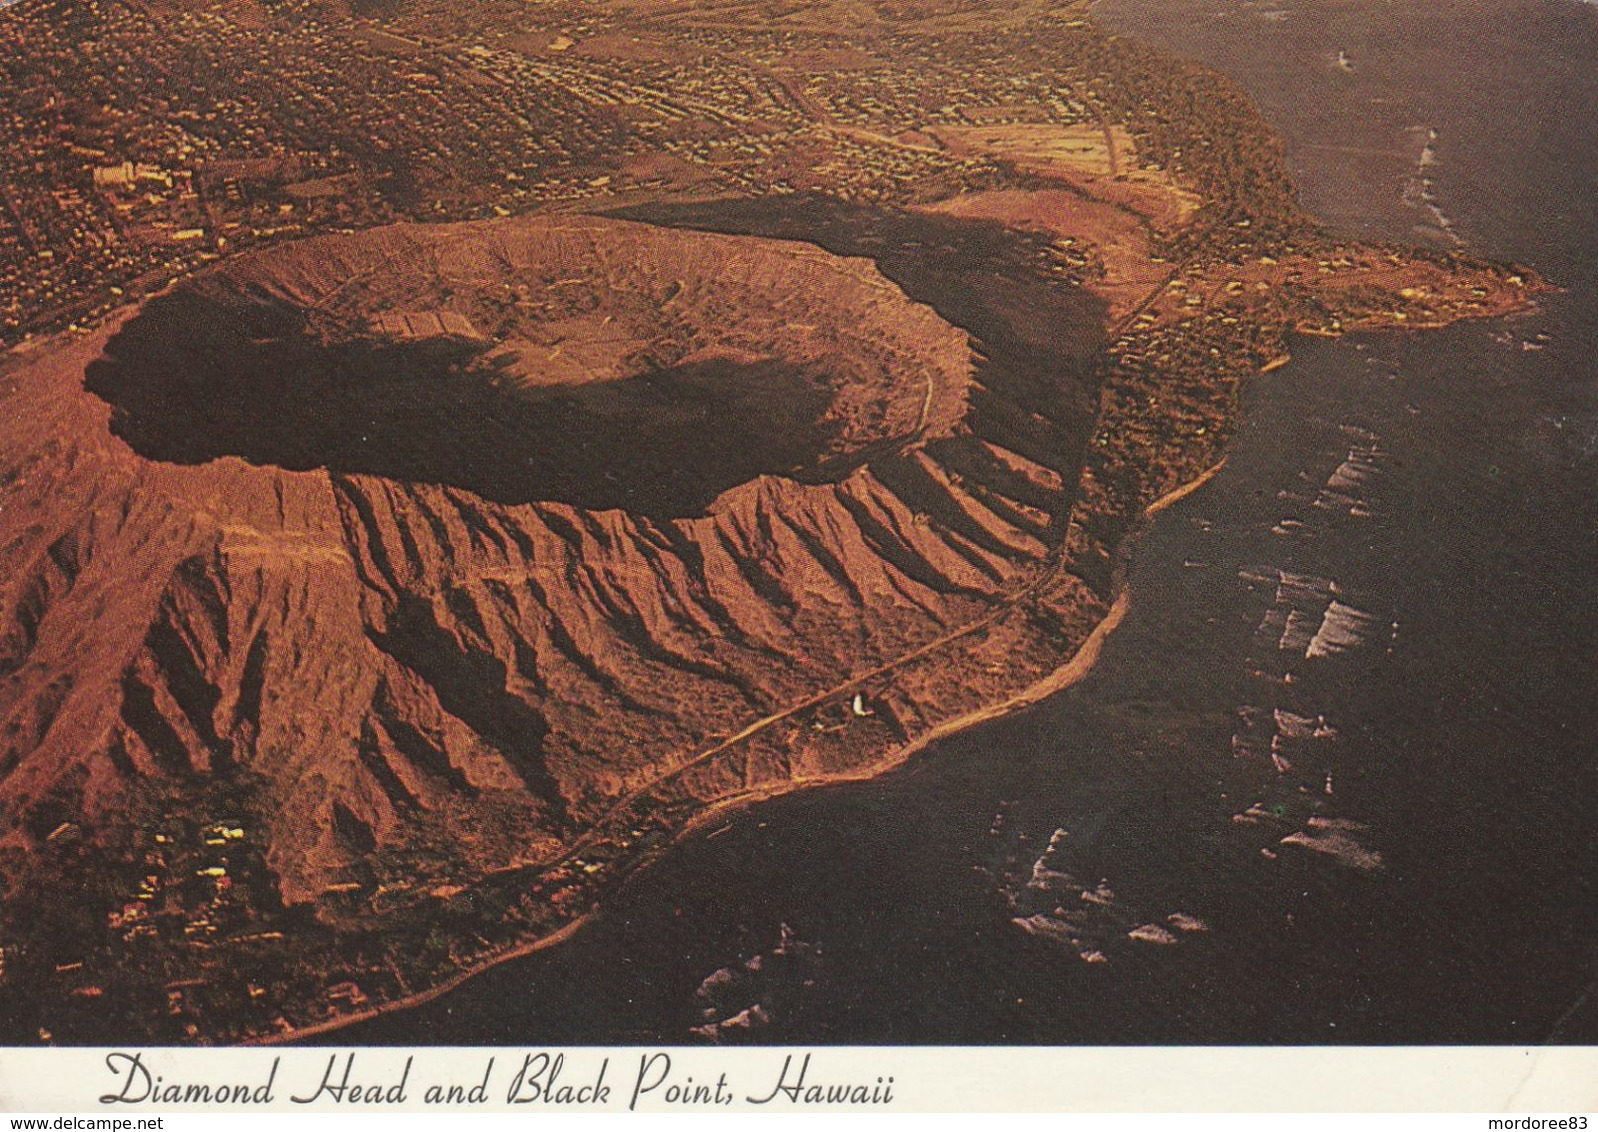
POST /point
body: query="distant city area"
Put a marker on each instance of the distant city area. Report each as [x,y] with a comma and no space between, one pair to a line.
[145,139]
[148,138]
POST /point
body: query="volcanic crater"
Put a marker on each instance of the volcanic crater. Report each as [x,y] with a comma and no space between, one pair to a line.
[604,364]
[443,549]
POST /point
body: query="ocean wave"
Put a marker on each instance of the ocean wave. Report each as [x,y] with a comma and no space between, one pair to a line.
[1421,191]
[1087,920]
[1338,839]
[1342,628]
[748,995]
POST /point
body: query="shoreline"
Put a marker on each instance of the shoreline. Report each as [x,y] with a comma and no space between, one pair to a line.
[423,997]
[1076,667]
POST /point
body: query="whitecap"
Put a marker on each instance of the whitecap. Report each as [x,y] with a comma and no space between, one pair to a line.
[1152,933]
[1344,627]
[1336,838]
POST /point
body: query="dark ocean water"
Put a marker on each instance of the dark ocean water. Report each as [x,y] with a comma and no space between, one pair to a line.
[1335,777]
